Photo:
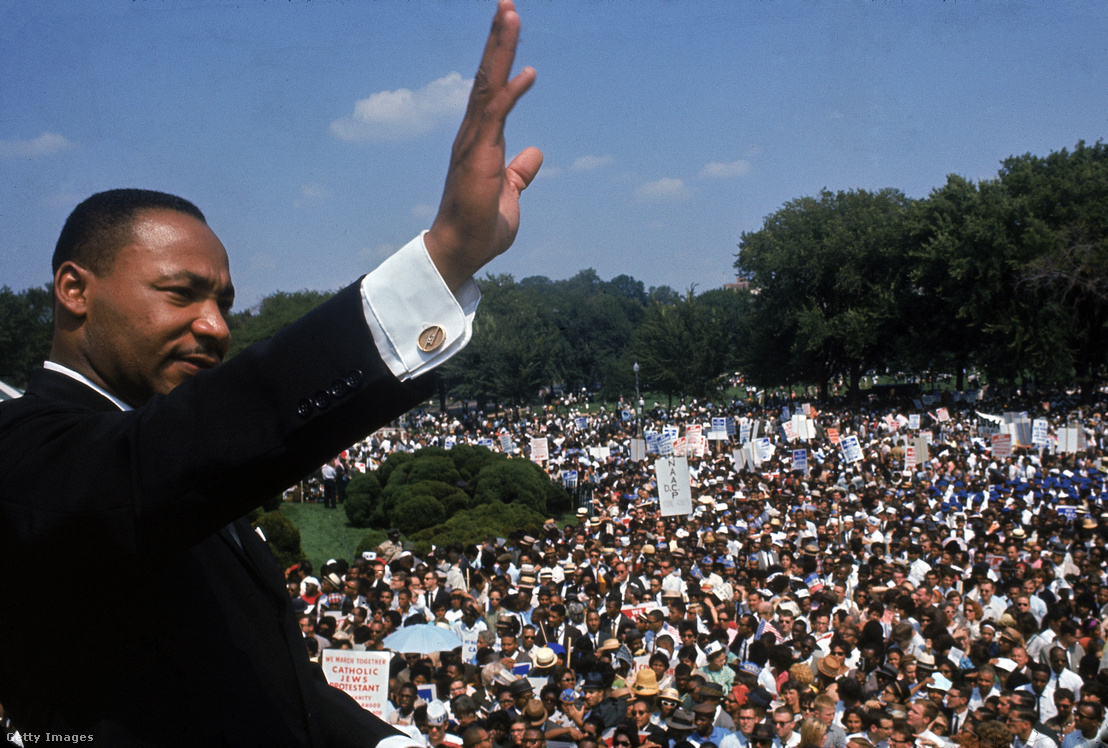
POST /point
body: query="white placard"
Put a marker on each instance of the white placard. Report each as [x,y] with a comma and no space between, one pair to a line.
[1002,445]
[674,493]
[363,675]
[800,460]
[852,451]
[540,449]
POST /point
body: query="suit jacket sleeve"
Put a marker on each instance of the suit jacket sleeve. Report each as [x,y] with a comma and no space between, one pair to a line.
[156,480]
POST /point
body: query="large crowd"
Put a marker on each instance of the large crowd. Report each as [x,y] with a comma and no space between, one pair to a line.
[938,588]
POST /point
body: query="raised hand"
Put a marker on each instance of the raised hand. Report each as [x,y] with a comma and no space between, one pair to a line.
[479,214]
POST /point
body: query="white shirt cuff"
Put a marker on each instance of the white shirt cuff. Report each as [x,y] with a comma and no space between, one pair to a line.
[415,320]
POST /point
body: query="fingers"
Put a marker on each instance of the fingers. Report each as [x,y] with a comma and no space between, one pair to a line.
[523,168]
[500,49]
[494,94]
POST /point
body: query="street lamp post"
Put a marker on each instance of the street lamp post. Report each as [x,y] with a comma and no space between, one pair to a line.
[638,397]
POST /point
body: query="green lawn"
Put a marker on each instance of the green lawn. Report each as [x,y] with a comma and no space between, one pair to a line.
[324,533]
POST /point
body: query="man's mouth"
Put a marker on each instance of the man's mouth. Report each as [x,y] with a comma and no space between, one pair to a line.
[197,362]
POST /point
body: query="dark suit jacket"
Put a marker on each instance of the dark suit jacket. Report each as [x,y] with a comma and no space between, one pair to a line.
[127,608]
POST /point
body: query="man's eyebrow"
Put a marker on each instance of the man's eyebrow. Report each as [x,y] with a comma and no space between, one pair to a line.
[197,280]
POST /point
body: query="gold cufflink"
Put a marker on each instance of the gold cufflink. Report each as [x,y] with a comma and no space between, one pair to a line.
[431,338]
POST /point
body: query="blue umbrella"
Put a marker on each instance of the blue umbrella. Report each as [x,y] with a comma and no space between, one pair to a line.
[423,638]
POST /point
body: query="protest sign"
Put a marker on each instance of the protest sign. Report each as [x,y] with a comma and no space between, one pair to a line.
[665,445]
[1040,433]
[600,453]
[800,460]
[506,444]
[790,432]
[674,493]
[913,421]
[363,675]
[764,449]
[569,478]
[638,450]
[540,449]
[852,450]
[833,435]
[1001,444]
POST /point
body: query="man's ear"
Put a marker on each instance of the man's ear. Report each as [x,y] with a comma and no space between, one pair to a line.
[71,284]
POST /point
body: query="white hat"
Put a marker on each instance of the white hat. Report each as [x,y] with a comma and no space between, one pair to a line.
[436,713]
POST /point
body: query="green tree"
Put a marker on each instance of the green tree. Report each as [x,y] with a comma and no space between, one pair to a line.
[26,332]
[1059,225]
[685,347]
[271,315]
[828,272]
[961,280]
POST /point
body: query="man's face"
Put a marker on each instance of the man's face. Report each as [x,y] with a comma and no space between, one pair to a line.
[640,712]
[1039,681]
[1019,726]
[917,718]
[157,317]
[592,621]
[986,592]
[783,723]
[881,728]
[748,719]
[593,697]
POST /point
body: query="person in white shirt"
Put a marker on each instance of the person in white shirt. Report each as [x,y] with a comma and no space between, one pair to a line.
[784,725]
[1021,722]
[1087,720]
[1061,676]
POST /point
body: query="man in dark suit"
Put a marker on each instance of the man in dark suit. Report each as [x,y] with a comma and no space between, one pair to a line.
[134,454]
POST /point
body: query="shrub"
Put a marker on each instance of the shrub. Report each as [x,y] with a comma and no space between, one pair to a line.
[362,496]
[415,511]
[435,468]
[391,463]
[512,481]
[475,524]
[469,460]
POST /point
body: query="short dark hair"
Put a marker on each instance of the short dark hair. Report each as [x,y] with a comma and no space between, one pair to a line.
[101,225]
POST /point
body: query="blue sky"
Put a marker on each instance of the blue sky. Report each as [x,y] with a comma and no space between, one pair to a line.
[315,134]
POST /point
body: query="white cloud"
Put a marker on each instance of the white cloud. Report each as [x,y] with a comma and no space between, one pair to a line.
[43,145]
[588,163]
[313,191]
[667,188]
[725,168]
[404,114]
